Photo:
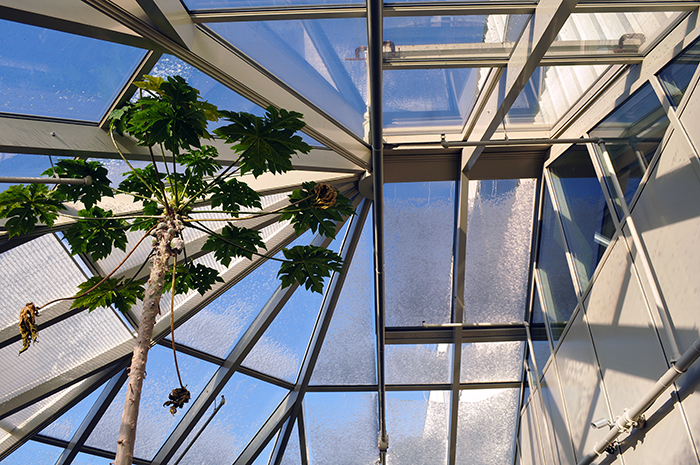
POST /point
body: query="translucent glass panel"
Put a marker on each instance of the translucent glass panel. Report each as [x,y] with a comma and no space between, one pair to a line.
[67,424]
[418,364]
[551,92]
[588,225]
[445,36]
[417,422]
[418,230]
[317,58]
[487,425]
[499,234]
[292,453]
[632,133]
[676,76]
[351,416]
[155,421]
[55,74]
[249,403]
[607,33]
[414,98]
[352,327]
[553,270]
[34,453]
[228,316]
[485,362]
[223,4]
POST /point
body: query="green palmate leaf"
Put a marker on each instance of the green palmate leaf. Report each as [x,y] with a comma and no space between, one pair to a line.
[234,242]
[190,276]
[142,182]
[118,292]
[317,207]
[97,237]
[308,265]
[232,195]
[172,115]
[265,143]
[88,195]
[149,209]
[202,162]
[25,206]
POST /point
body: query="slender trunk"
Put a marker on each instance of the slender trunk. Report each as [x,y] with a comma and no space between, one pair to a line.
[165,232]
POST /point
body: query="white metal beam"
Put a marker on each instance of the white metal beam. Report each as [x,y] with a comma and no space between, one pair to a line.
[540,32]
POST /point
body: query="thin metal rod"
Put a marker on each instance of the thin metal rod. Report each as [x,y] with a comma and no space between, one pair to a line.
[86,181]
[629,417]
[375,55]
[499,143]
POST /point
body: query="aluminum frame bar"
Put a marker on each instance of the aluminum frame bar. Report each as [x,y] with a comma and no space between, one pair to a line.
[540,32]
[335,287]
[109,392]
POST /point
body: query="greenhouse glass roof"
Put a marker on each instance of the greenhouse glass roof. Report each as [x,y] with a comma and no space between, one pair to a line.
[434,332]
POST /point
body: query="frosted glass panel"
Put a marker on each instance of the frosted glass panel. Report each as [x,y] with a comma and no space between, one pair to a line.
[249,403]
[486,426]
[315,57]
[292,453]
[499,230]
[55,74]
[65,426]
[155,422]
[34,453]
[352,327]
[351,417]
[417,422]
[418,364]
[484,362]
[418,230]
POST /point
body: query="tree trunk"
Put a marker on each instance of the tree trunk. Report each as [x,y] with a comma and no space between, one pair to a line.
[165,232]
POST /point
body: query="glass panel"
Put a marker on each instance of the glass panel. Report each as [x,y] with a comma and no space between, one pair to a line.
[67,424]
[551,92]
[499,234]
[415,98]
[86,459]
[485,362]
[351,416]
[418,222]
[588,225]
[34,453]
[155,422]
[676,76]
[542,353]
[292,453]
[352,327]
[264,456]
[553,269]
[249,403]
[449,36]
[317,58]
[226,318]
[280,350]
[632,133]
[55,74]
[417,421]
[223,4]
[418,364]
[607,33]
[486,426]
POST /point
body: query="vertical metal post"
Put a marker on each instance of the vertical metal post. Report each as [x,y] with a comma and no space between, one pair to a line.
[458,276]
[375,58]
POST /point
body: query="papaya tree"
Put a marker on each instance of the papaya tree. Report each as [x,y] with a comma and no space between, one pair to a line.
[171,120]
